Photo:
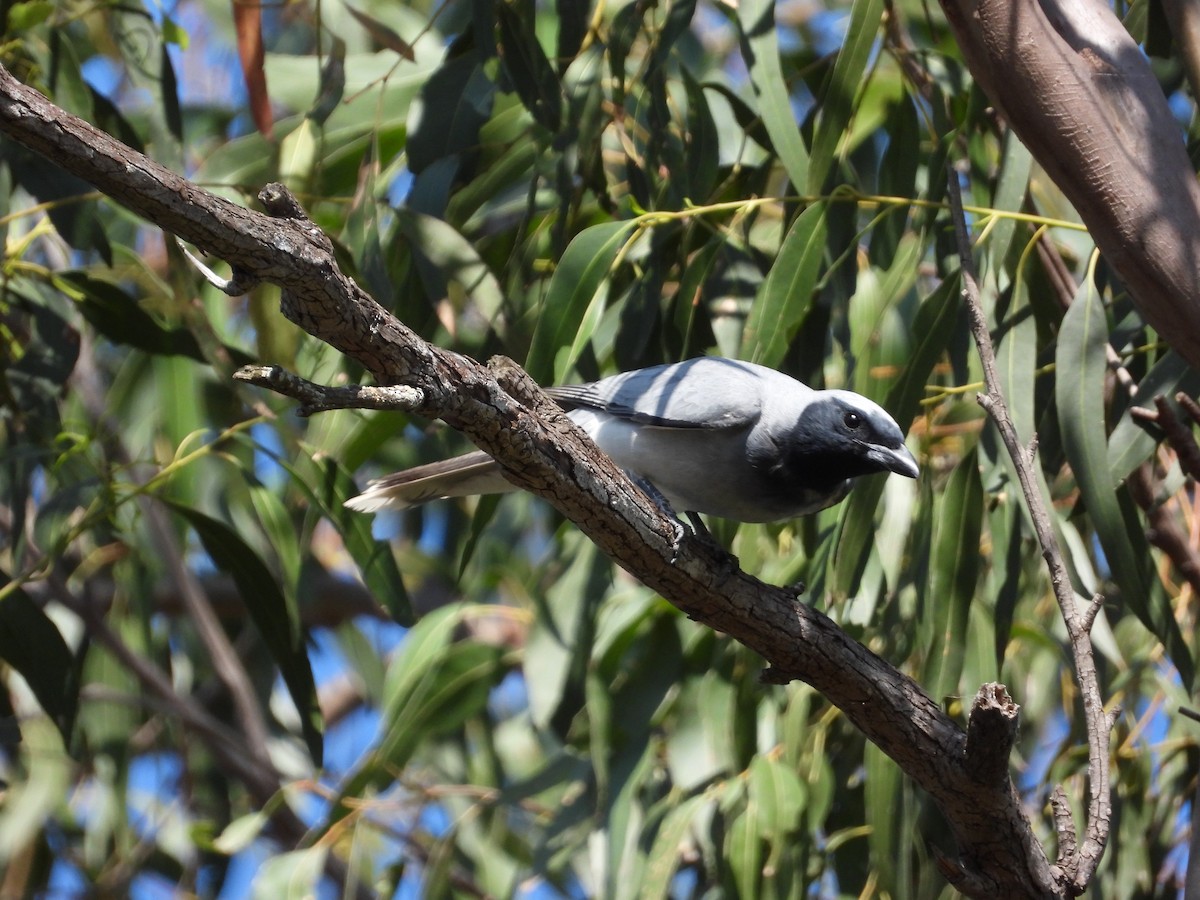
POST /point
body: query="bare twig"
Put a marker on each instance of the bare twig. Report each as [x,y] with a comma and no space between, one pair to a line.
[315,398]
[1163,530]
[1178,435]
[1189,406]
[1081,865]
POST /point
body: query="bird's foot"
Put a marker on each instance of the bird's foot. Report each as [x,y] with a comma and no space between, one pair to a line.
[665,505]
[705,536]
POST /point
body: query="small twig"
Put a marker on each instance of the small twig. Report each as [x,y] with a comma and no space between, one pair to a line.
[1189,406]
[1163,530]
[316,398]
[1178,435]
[240,283]
[1080,867]
[1091,611]
[1189,713]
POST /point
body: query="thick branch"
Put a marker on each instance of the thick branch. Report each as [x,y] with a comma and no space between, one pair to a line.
[1081,865]
[1081,95]
[543,452]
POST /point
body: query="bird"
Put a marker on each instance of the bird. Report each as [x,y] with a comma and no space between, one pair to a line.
[711,435]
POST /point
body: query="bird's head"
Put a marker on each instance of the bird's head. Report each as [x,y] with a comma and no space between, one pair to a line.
[847,435]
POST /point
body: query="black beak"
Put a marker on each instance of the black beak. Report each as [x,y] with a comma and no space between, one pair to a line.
[894,459]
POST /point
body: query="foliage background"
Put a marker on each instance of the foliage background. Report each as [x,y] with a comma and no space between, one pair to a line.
[585,190]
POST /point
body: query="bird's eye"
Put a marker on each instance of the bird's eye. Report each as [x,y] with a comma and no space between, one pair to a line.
[852,420]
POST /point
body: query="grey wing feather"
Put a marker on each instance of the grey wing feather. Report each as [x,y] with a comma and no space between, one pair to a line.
[705,393]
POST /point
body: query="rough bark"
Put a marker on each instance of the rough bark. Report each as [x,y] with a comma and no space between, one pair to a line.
[505,415]
[1081,96]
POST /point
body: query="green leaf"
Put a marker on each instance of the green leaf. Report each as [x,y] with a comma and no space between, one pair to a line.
[117,315]
[1079,392]
[170,95]
[838,99]
[882,798]
[433,685]
[1011,187]
[532,75]
[331,486]
[760,48]
[382,34]
[241,833]
[28,14]
[665,854]
[332,86]
[443,253]
[454,104]
[295,875]
[278,621]
[744,850]
[931,330]
[574,289]
[559,644]
[953,575]
[703,142]
[1016,356]
[786,294]
[33,645]
[32,801]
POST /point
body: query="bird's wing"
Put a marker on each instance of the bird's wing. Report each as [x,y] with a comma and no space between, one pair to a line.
[709,393]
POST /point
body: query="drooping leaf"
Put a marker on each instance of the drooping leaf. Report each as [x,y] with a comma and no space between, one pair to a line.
[664,857]
[382,34]
[433,685]
[170,95]
[760,47]
[117,316]
[326,489]
[454,103]
[574,287]
[333,82]
[443,254]
[703,143]
[532,75]
[247,23]
[953,574]
[278,621]
[932,330]
[68,199]
[837,101]
[33,645]
[787,292]
[1079,392]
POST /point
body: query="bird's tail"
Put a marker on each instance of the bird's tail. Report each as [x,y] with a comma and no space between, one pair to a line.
[462,476]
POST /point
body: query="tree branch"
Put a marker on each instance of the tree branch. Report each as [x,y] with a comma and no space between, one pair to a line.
[1080,864]
[543,452]
[315,398]
[1080,94]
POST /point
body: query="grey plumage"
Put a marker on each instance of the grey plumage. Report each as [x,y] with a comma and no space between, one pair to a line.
[716,436]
